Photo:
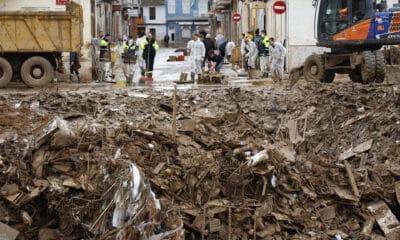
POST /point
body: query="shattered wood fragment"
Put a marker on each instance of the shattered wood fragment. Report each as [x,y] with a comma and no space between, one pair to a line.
[397,190]
[368,226]
[42,133]
[355,119]
[188,125]
[363,147]
[214,225]
[242,149]
[269,230]
[38,161]
[327,213]
[346,195]
[7,233]
[158,168]
[294,135]
[352,180]
[308,192]
[198,230]
[386,220]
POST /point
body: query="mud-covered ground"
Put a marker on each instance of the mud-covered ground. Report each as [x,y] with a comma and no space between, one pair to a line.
[247,162]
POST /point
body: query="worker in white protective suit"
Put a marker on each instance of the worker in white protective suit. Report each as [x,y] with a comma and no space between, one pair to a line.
[249,52]
[277,59]
[197,54]
[139,53]
[228,50]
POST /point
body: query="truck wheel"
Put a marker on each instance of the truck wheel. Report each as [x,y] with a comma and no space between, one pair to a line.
[379,67]
[355,76]
[37,72]
[6,72]
[329,76]
[368,67]
[314,69]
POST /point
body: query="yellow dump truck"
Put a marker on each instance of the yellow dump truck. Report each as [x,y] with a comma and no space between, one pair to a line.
[32,43]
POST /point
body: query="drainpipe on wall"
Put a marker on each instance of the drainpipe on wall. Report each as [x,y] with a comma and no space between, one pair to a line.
[287,34]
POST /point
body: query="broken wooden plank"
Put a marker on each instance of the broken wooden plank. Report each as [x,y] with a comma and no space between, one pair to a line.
[7,232]
[351,179]
[355,119]
[360,148]
[386,220]
[188,125]
[158,168]
[214,225]
[397,190]
[346,195]
[174,115]
[327,213]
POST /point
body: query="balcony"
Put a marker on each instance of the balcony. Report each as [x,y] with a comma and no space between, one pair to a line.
[222,2]
[140,20]
[130,3]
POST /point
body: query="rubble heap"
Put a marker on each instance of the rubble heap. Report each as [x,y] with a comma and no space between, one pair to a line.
[246,164]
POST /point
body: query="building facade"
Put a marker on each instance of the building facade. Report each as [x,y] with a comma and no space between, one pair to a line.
[185,17]
[153,17]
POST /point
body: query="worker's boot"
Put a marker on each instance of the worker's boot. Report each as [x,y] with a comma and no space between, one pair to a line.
[129,79]
[150,75]
[265,75]
[143,72]
[192,76]
[250,74]
[181,77]
[199,76]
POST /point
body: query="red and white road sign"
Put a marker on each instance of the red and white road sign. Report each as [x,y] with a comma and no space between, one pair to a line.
[279,7]
[62,2]
[236,17]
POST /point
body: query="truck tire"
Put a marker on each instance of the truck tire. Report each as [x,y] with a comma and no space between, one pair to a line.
[379,66]
[314,69]
[6,72]
[355,76]
[37,72]
[368,67]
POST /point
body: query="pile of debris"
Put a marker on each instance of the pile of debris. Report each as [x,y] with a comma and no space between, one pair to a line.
[246,164]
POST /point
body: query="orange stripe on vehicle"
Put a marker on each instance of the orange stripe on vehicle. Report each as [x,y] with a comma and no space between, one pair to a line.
[356,32]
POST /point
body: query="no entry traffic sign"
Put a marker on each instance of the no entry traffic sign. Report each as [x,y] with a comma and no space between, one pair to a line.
[279,7]
[236,17]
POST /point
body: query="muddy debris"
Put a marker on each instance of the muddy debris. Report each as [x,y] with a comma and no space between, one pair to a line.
[251,163]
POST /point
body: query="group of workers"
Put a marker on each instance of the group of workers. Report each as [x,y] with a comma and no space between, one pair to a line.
[263,53]
[202,49]
[135,55]
[258,52]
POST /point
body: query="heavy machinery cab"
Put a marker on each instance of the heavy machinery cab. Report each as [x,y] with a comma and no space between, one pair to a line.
[356,25]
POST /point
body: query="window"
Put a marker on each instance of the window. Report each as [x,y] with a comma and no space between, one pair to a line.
[185,6]
[334,17]
[153,32]
[186,32]
[203,7]
[171,6]
[152,13]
